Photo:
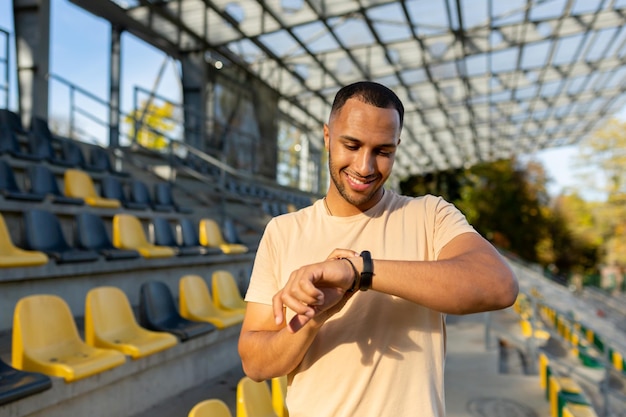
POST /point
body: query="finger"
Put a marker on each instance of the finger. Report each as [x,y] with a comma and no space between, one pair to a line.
[278,307]
[298,322]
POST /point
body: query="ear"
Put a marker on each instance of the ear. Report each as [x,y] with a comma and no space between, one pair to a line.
[326,136]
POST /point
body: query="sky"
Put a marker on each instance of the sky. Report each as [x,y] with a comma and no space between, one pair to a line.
[79,52]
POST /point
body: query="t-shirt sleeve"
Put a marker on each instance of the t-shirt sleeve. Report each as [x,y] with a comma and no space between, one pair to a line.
[449,223]
[264,279]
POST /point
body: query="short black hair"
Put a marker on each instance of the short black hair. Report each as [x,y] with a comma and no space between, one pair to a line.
[368,92]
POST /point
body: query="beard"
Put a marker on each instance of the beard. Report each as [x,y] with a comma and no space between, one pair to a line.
[357,200]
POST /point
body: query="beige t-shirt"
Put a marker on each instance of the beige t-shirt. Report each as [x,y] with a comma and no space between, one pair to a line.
[380,355]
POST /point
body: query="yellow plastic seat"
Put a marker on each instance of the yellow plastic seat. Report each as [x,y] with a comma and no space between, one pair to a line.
[279,395]
[578,410]
[211,236]
[128,233]
[46,340]
[78,184]
[254,399]
[111,324]
[210,408]
[12,256]
[225,292]
[527,331]
[196,304]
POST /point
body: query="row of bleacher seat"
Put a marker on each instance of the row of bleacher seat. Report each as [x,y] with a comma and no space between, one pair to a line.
[38,144]
[46,341]
[44,238]
[564,394]
[79,189]
[254,399]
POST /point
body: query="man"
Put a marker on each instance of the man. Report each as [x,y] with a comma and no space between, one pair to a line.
[355,343]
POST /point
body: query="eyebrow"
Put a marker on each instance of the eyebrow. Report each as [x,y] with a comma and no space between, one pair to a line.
[347,138]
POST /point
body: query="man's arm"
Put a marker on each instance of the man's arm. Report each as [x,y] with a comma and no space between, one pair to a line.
[267,346]
[469,276]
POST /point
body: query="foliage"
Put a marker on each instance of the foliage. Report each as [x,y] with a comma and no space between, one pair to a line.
[605,152]
[508,203]
[157,121]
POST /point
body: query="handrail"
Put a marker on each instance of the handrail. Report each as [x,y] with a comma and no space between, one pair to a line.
[5,61]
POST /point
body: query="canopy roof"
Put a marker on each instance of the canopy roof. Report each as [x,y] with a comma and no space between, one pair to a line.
[480,79]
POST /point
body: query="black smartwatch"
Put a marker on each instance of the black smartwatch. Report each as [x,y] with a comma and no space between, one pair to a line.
[365,283]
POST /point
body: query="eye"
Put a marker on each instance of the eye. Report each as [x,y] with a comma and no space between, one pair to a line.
[351,147]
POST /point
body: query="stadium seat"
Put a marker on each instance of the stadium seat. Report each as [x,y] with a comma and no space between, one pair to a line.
[43,182]
[16,384]
[41,143]
[279,394]
[46,340]
[139,193]
[188,230]
[211,236]
[91,233]
[164,235]
[128,233]
[43,233]
[157,311]
[196,304]
[9,188]
[99,160]
[213,407]
[12,256]
[254,399]
[163,197]
[78,184]
[226,294]
[10,145]
[113,188]
[12,121]
[230,232]
[578,410]
[110,324]
[73,154]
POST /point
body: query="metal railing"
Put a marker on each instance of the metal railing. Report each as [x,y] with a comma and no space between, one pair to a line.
[4,65]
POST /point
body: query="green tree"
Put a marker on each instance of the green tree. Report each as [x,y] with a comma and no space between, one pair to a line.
[503,200]
[157,121]
[604,153]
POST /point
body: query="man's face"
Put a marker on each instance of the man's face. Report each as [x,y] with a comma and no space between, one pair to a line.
[361,140]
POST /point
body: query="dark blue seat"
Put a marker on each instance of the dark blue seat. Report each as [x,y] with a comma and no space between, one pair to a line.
[9,187]
[164,235]
[163,197]
[112,187]
[140,194]
[91,234]
[158,311]
[100,161]
[12,121]
[43,182]
[229,231]
[10,145]
[16,384]
[190,237]
[73,154]
[41,143]
[43,233]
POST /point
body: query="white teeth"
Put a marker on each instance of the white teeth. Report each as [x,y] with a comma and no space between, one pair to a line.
[355,180]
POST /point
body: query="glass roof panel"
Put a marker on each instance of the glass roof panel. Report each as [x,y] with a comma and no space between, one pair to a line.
[521,74]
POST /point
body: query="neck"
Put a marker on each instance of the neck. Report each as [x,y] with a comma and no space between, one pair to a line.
[338,210]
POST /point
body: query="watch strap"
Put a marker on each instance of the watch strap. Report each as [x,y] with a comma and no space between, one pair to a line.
[368,271]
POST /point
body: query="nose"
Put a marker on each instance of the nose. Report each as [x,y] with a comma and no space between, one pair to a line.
[365,164]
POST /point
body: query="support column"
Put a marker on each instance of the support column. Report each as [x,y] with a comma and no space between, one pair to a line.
[115,57]
[31,20]
[195,83]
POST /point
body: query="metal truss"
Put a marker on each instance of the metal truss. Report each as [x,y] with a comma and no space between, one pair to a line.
[481,79]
